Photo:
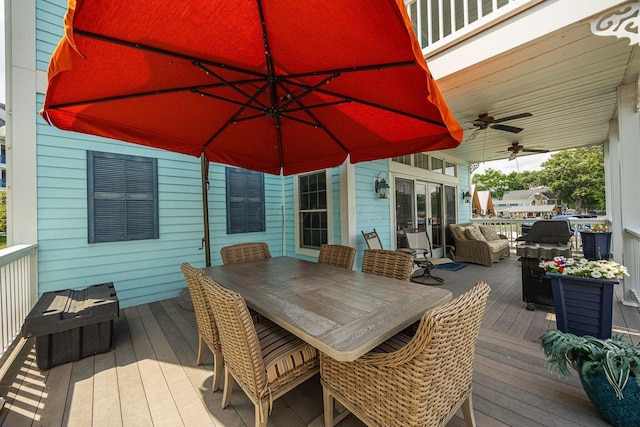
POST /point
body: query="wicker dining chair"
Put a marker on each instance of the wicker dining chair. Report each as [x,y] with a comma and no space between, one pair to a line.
[264,359]
[244,252]
[207,330]
[393,264]
[338,255]
[413,381]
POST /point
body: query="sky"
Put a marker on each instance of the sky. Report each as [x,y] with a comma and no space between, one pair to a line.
[520,164]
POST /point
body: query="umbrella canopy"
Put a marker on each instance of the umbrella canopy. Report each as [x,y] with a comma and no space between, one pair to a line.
[278,86]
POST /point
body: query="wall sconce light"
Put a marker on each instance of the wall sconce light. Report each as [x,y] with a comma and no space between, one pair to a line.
[466,196]
[381,185]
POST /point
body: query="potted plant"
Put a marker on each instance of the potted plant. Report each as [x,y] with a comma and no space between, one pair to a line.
[609,371]
[583,293]
[596,242]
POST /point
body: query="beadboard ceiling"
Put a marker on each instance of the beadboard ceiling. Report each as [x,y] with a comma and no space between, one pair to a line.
[567,79]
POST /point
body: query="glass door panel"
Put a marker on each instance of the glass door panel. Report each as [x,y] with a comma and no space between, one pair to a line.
[404,209]
[435,218]
[450,209]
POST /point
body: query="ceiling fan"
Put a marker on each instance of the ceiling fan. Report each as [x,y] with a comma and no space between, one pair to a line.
[517,148]
[484,121]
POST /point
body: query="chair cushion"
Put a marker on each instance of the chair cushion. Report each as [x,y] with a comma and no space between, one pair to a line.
[473,233]
[489,232]
[282,351]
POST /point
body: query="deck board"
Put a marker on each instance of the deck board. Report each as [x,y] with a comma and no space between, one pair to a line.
[150,378]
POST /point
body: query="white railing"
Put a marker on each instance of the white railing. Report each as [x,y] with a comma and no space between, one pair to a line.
[512,228]
[438,23]
[631,260]
[18,291]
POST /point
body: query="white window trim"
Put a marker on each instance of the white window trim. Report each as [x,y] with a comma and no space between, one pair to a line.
[296,206]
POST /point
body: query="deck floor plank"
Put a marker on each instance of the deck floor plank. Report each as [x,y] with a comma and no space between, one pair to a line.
[150,378]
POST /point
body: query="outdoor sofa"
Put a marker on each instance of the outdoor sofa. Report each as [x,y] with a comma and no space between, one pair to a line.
[478,244]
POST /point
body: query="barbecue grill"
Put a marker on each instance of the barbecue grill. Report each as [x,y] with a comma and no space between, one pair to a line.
[545,240]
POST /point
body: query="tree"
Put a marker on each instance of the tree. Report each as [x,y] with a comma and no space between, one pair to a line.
[497,182]
[577,176]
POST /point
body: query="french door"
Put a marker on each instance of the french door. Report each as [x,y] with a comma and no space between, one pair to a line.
[422,205]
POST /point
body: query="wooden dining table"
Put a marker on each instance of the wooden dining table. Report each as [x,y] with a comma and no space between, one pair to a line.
[343,313]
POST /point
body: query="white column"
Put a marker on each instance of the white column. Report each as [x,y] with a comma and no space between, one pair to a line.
[21,83]
[348,230]
[627,151]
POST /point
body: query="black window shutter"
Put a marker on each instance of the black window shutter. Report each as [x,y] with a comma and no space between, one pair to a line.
[245,201]
[122,196]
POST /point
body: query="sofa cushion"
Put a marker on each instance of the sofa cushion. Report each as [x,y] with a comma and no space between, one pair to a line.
[473,233]
[496,246]
[458,230]
[489,232]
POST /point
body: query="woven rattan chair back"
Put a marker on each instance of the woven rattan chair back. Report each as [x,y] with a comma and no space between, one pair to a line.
[244,252]
[240,346]
[338,255]
[424,382]
[207,330]
[372,239]
[394,264]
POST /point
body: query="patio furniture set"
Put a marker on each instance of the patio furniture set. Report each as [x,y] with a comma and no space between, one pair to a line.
[375,338]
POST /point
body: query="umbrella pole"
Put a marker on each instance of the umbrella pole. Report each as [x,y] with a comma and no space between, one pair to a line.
[205,208]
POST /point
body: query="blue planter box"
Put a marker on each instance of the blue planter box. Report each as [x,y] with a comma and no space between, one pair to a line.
[583,306]
[596,246]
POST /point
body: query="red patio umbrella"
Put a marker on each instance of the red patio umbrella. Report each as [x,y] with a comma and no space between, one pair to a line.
[278,86]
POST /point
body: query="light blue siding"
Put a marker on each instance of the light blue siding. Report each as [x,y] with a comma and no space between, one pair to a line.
[49,29]
[371,211]
[145,270]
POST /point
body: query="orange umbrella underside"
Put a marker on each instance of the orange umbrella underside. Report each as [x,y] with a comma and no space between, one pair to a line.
[319,81]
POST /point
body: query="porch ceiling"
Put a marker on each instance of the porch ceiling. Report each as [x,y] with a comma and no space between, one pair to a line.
[566,79]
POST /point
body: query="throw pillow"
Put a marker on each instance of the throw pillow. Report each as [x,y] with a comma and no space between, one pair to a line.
[489,232]
[459,230]
[473,233]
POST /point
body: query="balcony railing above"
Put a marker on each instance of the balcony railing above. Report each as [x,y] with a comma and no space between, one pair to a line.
[439,23]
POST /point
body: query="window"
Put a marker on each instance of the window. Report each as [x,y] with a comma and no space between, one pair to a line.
[313,210]
[436,165]
[122,197]
[449,168]
[403,159]
[421,160]
[245,201]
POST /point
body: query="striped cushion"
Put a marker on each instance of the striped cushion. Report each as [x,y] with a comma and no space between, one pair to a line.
[281,350]
[394,343]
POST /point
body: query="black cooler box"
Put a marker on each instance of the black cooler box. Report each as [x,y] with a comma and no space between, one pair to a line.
[69,325]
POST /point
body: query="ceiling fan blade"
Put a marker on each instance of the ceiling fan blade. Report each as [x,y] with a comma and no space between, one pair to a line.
[533,150]
[517,116]
[513,155]
[507,128]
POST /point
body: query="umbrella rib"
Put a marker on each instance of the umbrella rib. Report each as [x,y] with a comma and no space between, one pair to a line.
[232,101]
[228,84]
[233,118]
[272,82]
[150,93]
[372,104]
[140,46]
[306,92]
[352,69]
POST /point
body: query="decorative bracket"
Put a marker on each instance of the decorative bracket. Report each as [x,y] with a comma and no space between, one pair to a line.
[620,23]
[473,167]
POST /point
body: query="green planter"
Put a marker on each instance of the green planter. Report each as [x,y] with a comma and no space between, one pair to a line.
[619,412]
[583,306]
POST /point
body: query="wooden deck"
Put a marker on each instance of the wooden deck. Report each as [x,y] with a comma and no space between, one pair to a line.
[150,377]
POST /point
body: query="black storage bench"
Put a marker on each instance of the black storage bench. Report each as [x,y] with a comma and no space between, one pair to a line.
[69,325]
